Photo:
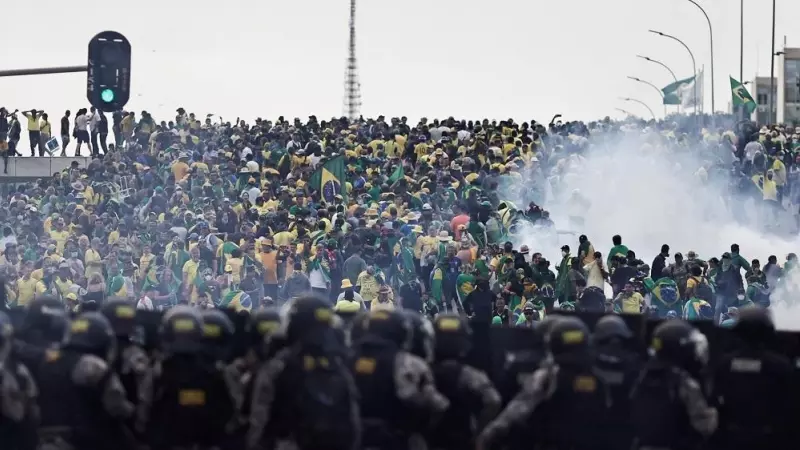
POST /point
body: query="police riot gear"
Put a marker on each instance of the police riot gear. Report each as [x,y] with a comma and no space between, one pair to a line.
[561,397]
[668,407]
[185,401]
[422,341]
[305,394]
[18,409]
[218,331]
[44,325]
[83,403]
[473,398]
[131,361]
[398,397]
[754,389]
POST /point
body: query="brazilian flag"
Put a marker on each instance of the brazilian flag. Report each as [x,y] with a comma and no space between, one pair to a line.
[236,300]
[328,179]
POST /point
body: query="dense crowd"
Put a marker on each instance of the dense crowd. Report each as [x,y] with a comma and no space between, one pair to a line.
[367,213]
[362,254]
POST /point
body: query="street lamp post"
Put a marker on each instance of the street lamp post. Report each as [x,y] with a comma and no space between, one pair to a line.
[660,94]
[660,64]
[711,35]
[694,65]
[772,68]
[628,99]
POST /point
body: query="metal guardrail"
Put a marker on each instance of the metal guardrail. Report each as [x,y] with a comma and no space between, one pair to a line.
[39,167]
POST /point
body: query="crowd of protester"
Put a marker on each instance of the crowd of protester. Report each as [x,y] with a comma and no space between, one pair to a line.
[367,213]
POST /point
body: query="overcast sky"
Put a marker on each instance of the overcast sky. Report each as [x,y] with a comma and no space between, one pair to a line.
[435,58]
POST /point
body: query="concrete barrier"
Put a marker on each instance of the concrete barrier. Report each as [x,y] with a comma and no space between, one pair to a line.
[40,167]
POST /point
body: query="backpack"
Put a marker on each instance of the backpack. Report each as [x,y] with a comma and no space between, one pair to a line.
[703,291]
[324,403]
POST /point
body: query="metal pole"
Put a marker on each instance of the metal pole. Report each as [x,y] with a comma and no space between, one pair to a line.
[670,72]
[660,64]
[628,99]
[694,65]
[661,94]
[625,112]
[741,49]
[42,71]
[772,69]
[711,35]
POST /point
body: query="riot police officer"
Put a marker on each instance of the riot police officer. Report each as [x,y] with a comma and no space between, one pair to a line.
[399,399]
[44,326]
[561,397]
[618,364]
[668,408]
[753,388]
[472,396]
[18,395]
[130,362]
[522,363]
[422,342]
[185,401]
[305,394]
[83,403]
[218,333]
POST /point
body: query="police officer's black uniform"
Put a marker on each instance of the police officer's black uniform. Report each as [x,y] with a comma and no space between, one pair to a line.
[473,399]
[185,401]
[753,389]
[305,394]
[130,362]
[618,364]
[44,325]
[668,408]
[562,401]
[19,412]
[521,364]
[398,398]
[83,404]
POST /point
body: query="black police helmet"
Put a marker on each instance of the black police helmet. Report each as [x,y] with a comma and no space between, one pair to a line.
[181,330]
[91,332]
[754,324]
[122,317]
[305,318]
[384,326]
[262,324]
[546,325]
[611,327]
[568,335]
[422,341]
[217,327]
[677,342]
[453,336]
[45,322]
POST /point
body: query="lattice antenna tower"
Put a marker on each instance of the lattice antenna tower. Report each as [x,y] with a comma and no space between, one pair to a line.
[352,87]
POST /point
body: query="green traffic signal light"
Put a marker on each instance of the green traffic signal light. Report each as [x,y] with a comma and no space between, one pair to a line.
[107,95]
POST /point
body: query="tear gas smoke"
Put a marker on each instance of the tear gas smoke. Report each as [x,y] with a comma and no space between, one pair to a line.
[651,197]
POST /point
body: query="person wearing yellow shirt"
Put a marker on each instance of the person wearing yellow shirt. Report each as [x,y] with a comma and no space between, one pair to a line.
[770,194]
[190,273]
[629,301]
[367,285]
[146,259]
[92,259]
[779,171]
[60,235]
[33,128]
[180,170]
[270,260]
[237,263]
[63,280]
[28,288]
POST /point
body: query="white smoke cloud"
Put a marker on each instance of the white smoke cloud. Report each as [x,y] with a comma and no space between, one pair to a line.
[651,198]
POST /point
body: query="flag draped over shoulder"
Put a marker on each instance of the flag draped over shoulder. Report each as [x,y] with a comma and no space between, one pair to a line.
[236,300]
[328,179]
[675,93]
[741,97]
[397,174]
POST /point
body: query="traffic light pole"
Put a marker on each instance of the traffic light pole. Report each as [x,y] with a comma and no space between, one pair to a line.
[42,71]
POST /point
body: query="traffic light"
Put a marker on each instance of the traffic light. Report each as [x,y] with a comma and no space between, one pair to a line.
[108,81]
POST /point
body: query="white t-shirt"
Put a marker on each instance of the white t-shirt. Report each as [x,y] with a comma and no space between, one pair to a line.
[81,122]
[94,120]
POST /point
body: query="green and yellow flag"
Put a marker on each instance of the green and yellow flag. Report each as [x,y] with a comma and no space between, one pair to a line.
[742,97]
[328,180]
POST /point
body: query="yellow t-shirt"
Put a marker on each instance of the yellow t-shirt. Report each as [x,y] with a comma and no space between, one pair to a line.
[369,286]
[236,264]
[632,304]
[90,257]
[28,289]
[61,238]
[33,122]
[180,170]
[189,274]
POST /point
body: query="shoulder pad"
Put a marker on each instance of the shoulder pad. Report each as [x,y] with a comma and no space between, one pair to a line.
[89,371]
